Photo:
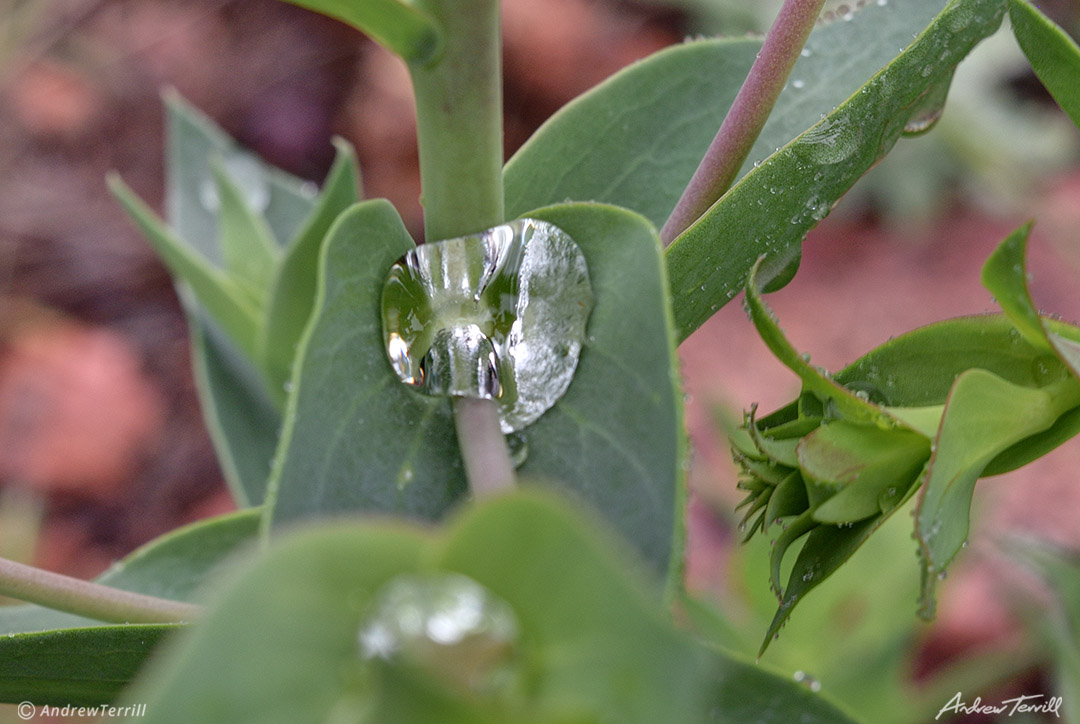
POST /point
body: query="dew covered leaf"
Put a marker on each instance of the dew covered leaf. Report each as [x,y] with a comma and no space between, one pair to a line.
[1054,56]
[772,207]
[984,416]
[354,437]
[616,437]
[51,657]
[636,139]
[359,439]
[593,640]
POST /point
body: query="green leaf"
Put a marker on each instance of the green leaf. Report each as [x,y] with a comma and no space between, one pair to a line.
[636,139]
[221,296]
[398,26]
[861,464]
[50,657]
[293,289]
[1053,55]
[355,438]
[244,422]
[773,206]
[984,415]
[621,451]
[191,204]
[247,244]
[81,667]
[358,439]
[593,641]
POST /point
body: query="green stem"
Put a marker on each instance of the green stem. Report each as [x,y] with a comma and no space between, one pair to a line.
[91,600]
[729,149]
[459,130]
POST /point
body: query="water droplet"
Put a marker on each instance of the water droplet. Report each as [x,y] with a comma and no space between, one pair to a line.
[519,448]
[845,12]
[941,575]
[806,52]
[801,677]
[882,3]
[1046,369]
[818,208]
[922,122]
[404,476]
[798,83]
[831,141]
[499,315]
[446,623]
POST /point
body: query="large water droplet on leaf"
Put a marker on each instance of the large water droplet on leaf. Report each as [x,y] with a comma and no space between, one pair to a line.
[445,623]
[499,315]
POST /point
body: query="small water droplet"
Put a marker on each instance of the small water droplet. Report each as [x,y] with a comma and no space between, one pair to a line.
[942,575]
[806,52]
[801,677]
[798,83]
[845,12]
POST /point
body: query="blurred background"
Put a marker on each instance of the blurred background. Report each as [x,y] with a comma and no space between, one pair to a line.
[102,446]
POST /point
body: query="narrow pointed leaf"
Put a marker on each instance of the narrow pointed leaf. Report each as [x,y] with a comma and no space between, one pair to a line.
[814,379]
[191,206]
[247,244]
[293,288]
[772,207]
[220,295]
[1053,55]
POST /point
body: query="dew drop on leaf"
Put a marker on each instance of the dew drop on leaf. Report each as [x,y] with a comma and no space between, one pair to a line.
[497,315]
[801,677]
[446,623]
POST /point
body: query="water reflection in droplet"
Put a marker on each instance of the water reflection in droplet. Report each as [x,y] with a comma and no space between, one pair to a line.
[446,623]
[499,315]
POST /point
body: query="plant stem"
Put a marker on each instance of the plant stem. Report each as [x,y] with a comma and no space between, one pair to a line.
[459,130]
[483,448]
[747,115]
[91,600]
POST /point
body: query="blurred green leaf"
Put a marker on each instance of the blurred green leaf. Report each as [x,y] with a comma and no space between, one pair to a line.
[357,439]
[593,643]
[219,293]
[294,286]
[50,657]
[1059,627]
[773,206]
[1054,56]
[398,26]
[247,244]
[78,666]
[244,422]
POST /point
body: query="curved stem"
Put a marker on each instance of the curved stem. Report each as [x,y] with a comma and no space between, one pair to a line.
[483,448]
[720,166]
[91,600]
[459,130]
